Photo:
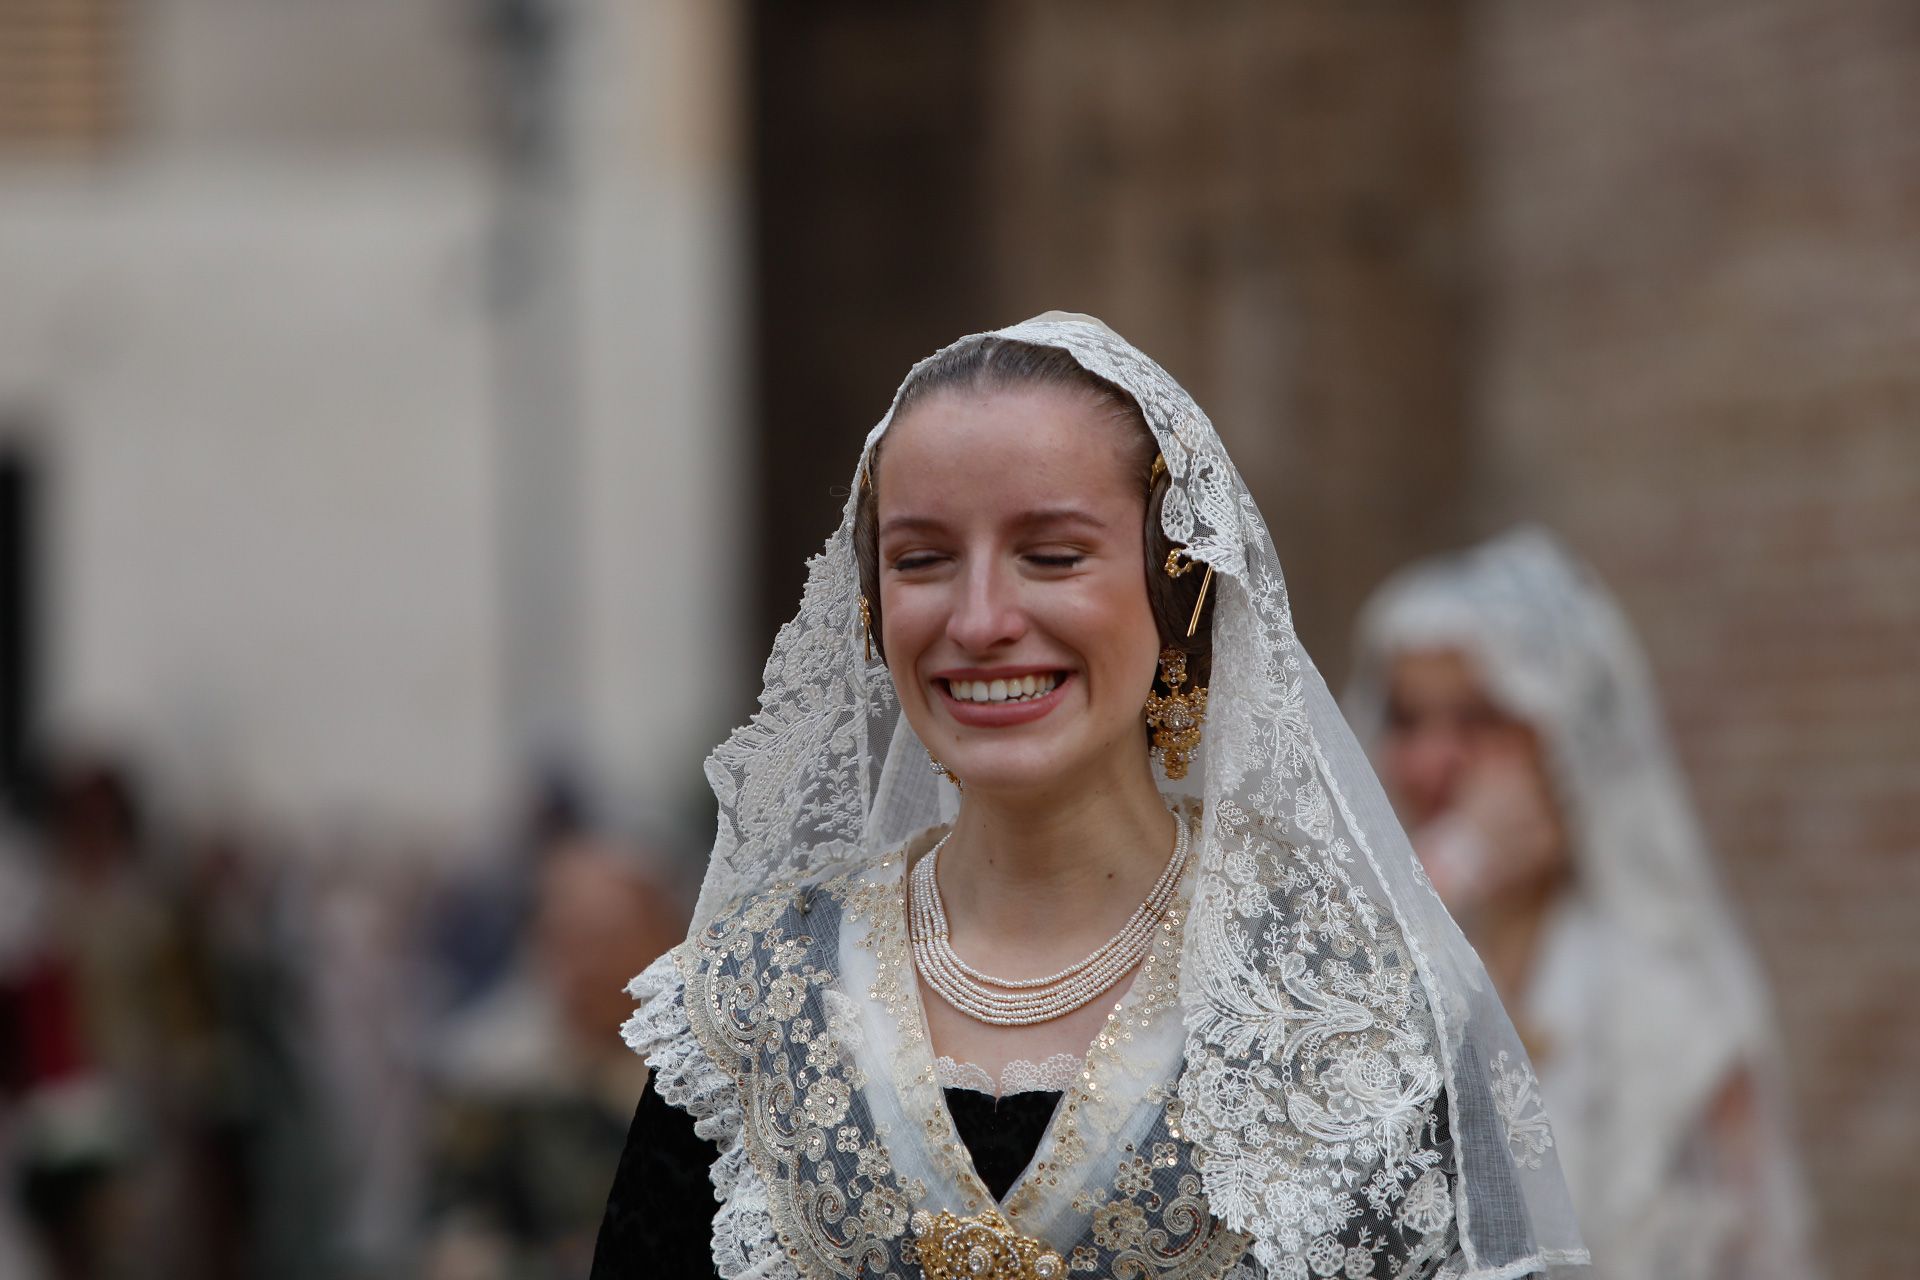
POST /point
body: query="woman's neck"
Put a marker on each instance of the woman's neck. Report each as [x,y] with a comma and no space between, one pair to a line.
[1035,877]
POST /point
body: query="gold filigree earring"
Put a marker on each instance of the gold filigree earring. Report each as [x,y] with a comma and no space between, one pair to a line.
[944,772]
[866,627]
[1174,719]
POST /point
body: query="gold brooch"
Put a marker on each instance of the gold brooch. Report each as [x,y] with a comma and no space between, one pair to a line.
[983,1247]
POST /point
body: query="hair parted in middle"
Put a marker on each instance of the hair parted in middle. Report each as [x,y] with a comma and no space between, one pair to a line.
[990,363]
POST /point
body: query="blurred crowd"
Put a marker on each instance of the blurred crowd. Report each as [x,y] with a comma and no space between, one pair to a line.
[222,1055]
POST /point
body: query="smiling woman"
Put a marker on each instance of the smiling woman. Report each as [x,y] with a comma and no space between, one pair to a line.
[1121,443]
[1133,991]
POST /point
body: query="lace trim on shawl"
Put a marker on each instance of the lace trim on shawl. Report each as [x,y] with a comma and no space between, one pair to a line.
[1054,1074]
[745,1246]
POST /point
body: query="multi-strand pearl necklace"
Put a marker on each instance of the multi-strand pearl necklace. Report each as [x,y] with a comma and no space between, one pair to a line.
[1020,1002]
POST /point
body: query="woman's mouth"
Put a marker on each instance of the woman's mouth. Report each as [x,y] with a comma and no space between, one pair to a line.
[991,702]
[1015,689]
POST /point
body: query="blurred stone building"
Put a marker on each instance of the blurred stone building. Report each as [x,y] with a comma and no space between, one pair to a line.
[368,369]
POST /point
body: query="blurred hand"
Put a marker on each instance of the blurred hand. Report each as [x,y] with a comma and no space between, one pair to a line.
[1502,835]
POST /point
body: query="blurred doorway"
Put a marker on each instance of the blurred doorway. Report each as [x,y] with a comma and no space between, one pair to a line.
[21,485]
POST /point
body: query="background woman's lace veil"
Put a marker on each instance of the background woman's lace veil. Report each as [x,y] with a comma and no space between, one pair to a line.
[1316,949]
[1557,652]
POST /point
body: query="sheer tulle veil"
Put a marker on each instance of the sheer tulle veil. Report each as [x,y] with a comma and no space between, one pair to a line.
[1327,996]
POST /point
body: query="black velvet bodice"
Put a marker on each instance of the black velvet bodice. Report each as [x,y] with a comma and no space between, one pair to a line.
[659,1219]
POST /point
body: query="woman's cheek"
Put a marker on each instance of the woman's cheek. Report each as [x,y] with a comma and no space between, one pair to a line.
[907,617]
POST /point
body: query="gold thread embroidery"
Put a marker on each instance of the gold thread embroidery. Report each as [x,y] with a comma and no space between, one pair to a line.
[982,1247]
[804,1115]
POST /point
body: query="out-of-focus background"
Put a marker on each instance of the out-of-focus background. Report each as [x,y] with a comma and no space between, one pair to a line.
[414,415]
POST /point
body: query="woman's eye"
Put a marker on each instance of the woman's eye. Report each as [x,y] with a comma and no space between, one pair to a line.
[916,560]
[1057,559]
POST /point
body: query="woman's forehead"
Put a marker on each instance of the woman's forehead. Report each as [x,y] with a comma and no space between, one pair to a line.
[1435,671]
[966,445]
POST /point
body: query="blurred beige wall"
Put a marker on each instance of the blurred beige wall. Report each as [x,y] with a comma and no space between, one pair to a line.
[261,400]
[252,341]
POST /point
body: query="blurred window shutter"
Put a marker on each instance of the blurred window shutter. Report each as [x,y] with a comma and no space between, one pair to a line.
[62,74]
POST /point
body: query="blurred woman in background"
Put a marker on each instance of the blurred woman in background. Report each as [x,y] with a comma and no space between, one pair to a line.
[1513,722]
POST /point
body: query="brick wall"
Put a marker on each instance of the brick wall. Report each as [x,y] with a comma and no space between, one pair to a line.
[1700,358]
[1270,199]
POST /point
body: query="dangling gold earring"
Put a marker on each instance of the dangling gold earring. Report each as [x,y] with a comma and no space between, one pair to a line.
[1174,720]
[944,772]
[866,627]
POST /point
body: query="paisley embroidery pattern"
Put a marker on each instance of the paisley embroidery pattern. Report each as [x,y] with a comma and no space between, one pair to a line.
[764,999]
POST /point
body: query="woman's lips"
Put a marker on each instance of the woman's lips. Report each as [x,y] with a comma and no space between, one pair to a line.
[1000,715]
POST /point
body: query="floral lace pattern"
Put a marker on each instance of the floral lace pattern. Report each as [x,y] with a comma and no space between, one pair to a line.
[756,1000]
[1517,1094]
[1053,1074]
[744,1243]
[1336,1048]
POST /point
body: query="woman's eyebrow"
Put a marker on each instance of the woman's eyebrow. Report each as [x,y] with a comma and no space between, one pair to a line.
[910,524]
[1043,517]
[1046,516]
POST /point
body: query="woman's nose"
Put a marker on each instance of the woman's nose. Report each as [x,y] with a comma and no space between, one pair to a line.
[986,613]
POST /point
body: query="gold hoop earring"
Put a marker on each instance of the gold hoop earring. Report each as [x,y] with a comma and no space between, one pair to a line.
[1174,720]
[944,772]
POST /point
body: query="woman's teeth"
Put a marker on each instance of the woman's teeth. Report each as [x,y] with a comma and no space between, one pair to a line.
[1017,689]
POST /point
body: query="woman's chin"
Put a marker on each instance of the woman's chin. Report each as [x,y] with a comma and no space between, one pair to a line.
[999,780]
[1022,769]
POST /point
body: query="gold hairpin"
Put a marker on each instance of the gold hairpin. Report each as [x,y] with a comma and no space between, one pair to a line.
[1193,623]
[1180,562]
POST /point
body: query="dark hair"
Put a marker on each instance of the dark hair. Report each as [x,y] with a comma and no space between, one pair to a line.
[998,364]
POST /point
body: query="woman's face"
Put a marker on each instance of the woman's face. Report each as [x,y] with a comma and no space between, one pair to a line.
[1451,753]
[1440,725]
[1013,586]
